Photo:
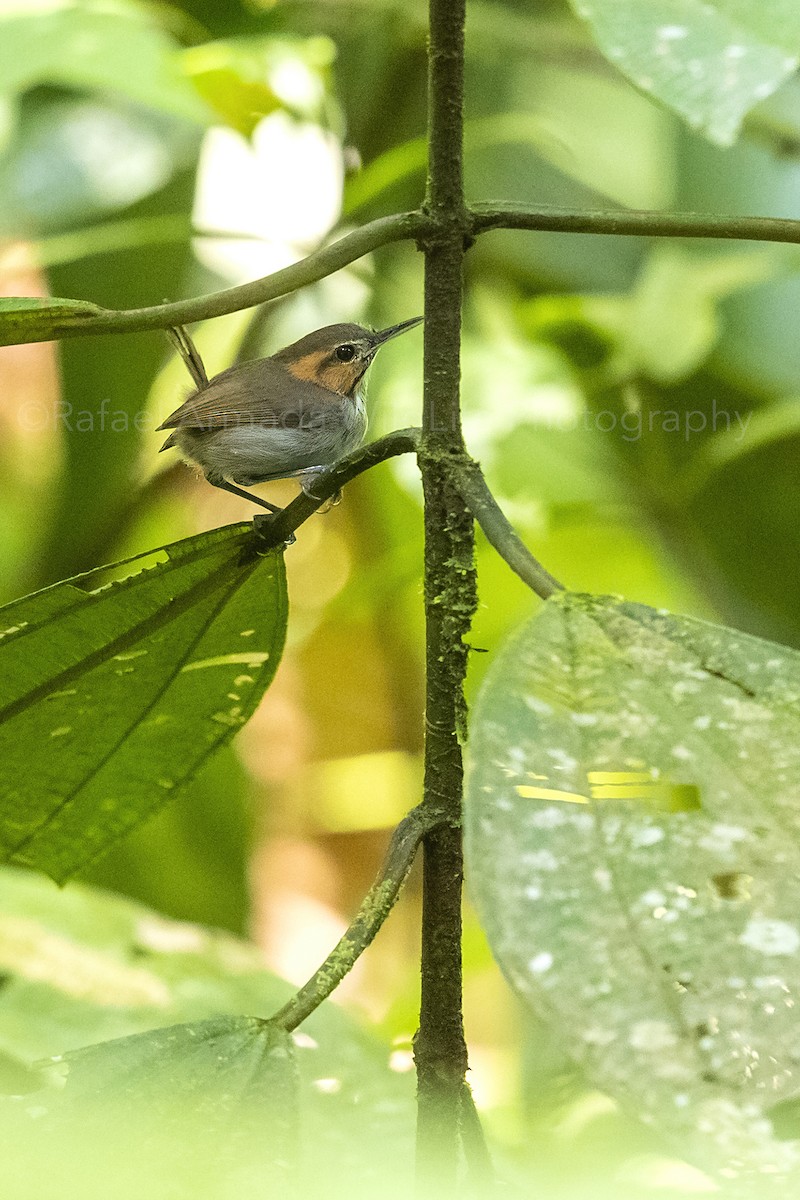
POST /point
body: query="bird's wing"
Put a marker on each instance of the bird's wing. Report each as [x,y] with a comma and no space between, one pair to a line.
[253,393]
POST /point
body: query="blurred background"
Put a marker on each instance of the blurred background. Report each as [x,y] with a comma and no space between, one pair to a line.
[633,403]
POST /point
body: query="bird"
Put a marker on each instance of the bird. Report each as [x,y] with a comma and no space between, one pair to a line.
[292,414]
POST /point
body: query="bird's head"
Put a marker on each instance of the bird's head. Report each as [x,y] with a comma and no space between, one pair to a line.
[337,356]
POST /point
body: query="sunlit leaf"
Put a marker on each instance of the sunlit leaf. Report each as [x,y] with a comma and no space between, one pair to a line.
[708,60]
[245,79]
[113,696]
[632,822]
[672,320]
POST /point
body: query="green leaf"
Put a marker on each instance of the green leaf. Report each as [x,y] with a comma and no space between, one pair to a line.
[104,381]
[672,321]
[710,61]
[111,697]
[63,169]
[80,966]
[129,233]
[206,835]
[114,46]
[632,822]
[222,1092]
[32,318]
[245,79]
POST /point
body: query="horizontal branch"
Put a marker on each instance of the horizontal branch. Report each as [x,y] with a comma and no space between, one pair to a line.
[631,222]
[374,910]
[273,529]
[499,532]
[38,319]
[42,323]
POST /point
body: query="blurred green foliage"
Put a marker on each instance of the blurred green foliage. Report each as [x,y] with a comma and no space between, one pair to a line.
[181,1087]
[634,406]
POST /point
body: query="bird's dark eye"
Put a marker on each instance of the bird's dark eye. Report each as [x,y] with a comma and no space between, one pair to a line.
[345,353]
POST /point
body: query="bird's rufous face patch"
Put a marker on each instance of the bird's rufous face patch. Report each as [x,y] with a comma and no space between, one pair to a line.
[322,368]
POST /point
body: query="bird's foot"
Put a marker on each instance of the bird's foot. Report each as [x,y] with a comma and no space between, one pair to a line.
[331,502]
[311,479]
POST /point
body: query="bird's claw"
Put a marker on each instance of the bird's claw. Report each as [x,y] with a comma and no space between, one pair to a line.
[331,502]
[313,477]
[263,524]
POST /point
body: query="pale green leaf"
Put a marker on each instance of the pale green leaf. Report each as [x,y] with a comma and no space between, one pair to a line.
[632,825]
[710,61]
[245,79]
[670,322]
[206,1109]
[673,315]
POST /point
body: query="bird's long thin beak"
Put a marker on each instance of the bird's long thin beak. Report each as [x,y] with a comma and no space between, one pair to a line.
[394,331]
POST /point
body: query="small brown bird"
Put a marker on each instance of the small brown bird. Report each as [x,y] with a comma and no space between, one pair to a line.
[294,413]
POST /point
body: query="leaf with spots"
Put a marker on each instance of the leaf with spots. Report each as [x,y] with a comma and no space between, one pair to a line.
[632,828]
[710,61]
[113,696]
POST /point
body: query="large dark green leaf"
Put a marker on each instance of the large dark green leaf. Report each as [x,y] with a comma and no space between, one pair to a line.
[112,696]
[632,823]
[206,835]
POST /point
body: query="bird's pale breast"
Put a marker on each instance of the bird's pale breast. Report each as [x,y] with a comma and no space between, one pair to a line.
[306,436]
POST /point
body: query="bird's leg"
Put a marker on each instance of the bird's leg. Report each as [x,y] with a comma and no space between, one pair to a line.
[219,482]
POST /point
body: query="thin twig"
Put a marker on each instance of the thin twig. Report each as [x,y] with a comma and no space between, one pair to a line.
[375,908]
[499,532]
[274,529]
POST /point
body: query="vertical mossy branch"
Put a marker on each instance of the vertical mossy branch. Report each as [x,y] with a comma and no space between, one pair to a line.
[450,600]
